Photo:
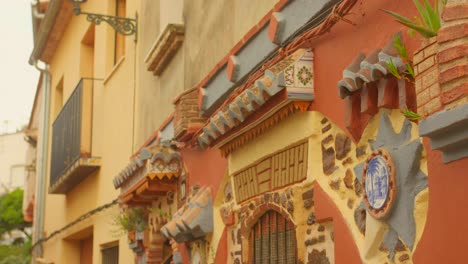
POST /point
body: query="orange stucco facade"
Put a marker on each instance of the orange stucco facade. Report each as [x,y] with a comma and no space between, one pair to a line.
[271,131]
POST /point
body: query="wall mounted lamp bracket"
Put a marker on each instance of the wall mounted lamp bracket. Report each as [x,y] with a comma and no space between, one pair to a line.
[123,25]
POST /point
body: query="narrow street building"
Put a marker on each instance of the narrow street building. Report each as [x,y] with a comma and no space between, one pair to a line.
[250,132]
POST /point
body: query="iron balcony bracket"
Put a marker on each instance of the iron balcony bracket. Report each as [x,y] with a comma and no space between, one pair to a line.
[123,25]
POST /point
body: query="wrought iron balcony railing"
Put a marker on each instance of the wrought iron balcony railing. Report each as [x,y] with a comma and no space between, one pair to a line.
[71,159]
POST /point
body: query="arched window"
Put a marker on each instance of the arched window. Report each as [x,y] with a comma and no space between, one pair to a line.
[272,240]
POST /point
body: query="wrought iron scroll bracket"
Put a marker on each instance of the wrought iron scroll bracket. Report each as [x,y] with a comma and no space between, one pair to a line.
[123,25]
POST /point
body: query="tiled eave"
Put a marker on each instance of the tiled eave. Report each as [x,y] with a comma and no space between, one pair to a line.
[193,220]
[289,80]
[146,190]
[51,30]
[448,132]
[371,68]
[165,48]
[156,162]
[273,31]
[368,84]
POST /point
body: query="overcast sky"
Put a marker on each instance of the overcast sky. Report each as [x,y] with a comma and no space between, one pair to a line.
[18,80]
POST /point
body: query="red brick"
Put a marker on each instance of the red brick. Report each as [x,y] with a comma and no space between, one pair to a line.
[453,73]
[265,19]
[452,12]
[280,5]
[426,64]
[418,85]
[454,94]
[423,97]
[434,90]
[431,49]
[237,47]
[252,32]
[433,105]
[231,69]
[453,53]
[418,57]
[273,28]
[429,77]
[452,32]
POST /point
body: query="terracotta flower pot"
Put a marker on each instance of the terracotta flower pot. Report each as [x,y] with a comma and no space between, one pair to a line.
[131,236]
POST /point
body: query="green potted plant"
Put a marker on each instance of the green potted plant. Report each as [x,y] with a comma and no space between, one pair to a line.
[427,25]
[132,221]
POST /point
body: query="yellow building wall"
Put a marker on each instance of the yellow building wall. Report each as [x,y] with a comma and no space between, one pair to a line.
[130,103]
[212,28]
[112,135]
[308,126]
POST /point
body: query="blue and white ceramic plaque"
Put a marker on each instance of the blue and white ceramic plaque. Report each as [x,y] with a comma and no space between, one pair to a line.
[377,182]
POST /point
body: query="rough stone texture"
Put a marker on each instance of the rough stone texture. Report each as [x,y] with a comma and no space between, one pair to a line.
[358,170]
[357,187]
[404,257]
[335,184]
[311,219]
[361,151]
[342,146]
[290,207]
[328,158]
[327,140]
[392,244]
[349,179]
[360,218]
[326,128]
[318,257]
[347,161]
[308,204]
[308,198]
[400,246]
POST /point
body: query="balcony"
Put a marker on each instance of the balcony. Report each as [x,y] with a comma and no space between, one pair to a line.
[71,159]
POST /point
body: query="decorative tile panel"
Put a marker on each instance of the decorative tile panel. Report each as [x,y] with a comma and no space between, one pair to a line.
[280,169]
[293,74]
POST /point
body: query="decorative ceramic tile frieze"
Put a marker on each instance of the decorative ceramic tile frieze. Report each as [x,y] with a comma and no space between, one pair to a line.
[378,179]
[193,220]
[165,47]
[371,68]
[280,169]
[293,74]
[153,162]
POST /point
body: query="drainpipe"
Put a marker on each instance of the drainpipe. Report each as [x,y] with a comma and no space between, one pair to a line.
[43,141]
[41,177]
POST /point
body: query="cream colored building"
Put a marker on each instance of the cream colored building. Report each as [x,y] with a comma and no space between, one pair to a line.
[13,164]
[104,96]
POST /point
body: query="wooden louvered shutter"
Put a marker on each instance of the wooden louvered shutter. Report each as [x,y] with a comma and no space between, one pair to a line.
[110,255]
[272,240]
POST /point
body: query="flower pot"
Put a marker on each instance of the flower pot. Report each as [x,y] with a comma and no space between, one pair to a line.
[131,236]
